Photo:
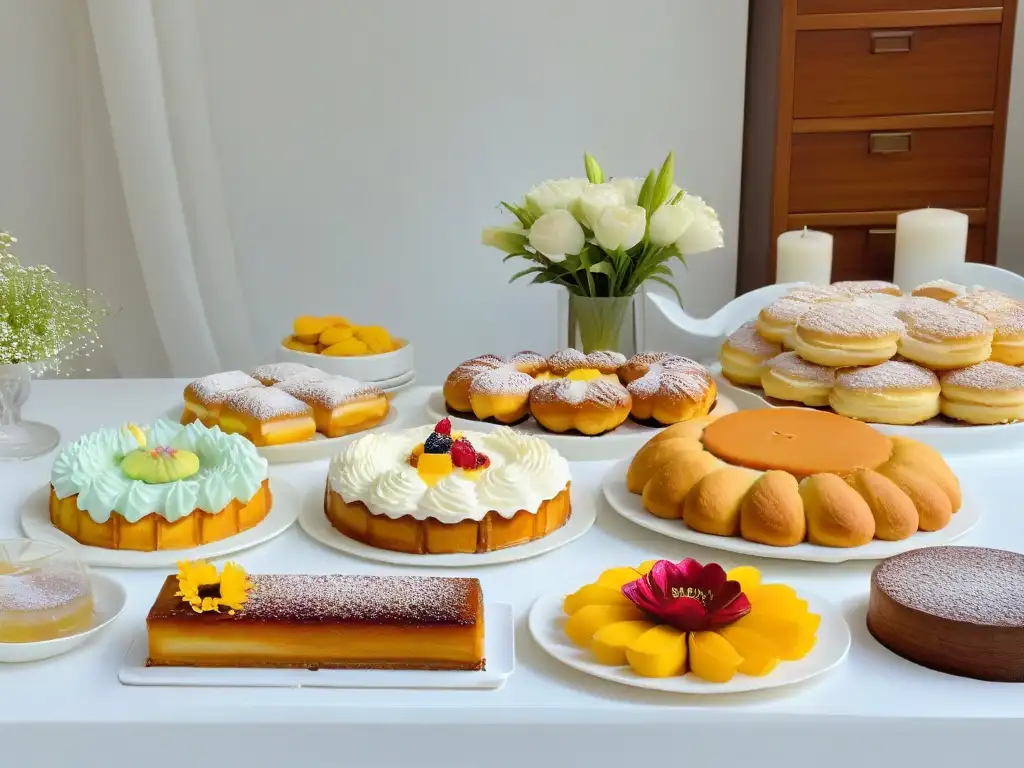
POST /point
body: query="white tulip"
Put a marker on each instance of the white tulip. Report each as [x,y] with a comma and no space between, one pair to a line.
[620,227]
[597,197]
[630,188]
[668,224]
[554,195]
[705,233]
[556,234]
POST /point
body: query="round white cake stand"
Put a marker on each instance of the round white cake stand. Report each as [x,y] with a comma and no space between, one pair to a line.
[630,506]
[627,439]
[35,522]
[313,520]
[547,625]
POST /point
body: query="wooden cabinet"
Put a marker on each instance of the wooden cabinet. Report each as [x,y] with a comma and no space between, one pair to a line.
[858,110]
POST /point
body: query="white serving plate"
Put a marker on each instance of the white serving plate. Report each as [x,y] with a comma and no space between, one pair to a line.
[35,522]
[499,652]
[319,447]
[547,625]
[109,599]
[946,436]
[396,384]
[630,506]
[313,520]
[368,368]
[627,439]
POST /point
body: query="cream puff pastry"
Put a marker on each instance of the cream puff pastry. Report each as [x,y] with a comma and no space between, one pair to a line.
[941,336]
[986,393]
[984,301]
[777,321]
[839,334]
[940,290]
[790,377]
[744,354]
[1008,339]
[858,287]
[893,392]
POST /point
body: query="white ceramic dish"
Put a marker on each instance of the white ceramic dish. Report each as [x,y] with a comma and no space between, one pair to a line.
[626,440]
[499,652]
[35,522]
[547,625]
[368,368]
[109,599]
[944,435]
[396,384]
[319,447]
[629,506]
[313,521]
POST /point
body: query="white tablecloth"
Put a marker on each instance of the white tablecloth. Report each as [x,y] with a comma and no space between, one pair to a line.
[875,707]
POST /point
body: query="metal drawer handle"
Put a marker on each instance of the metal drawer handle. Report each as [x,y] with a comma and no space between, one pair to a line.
[892,41]
[881,232]
[888,143]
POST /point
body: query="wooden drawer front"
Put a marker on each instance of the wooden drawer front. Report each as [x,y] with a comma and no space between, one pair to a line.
[866,6]
[940,168]
[947,69]
[867,253]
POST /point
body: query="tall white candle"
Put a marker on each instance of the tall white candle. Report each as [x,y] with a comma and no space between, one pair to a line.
[804,256]
[930,243]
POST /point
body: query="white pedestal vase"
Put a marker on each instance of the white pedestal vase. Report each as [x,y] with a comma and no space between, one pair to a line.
[21,439]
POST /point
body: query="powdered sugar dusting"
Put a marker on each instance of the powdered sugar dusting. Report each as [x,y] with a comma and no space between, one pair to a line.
[746,339]
[676,376]
[892,374]
[41,590]
[502,381]
[265,403]
[568,360]
[985,301]
[792,365]
[212,389]
[935,320]
[599,392]
[995,377]
[943,287]
[850,320]
[470,369]
[1008,322]
[331,392]
[976,585]
[813,293]
[868,286]
[272,373]
[785,310]
[372,599]
[527,359]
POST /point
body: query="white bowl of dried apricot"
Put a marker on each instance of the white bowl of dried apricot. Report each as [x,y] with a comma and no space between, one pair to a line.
[337,346]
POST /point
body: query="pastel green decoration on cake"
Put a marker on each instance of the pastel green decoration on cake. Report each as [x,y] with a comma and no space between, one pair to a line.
[160,465]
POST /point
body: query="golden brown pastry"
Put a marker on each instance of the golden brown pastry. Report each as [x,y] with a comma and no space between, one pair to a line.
[858,287]
[777,321]
[505,407]
[986,393]
[940,290]
[589,407]
[1008,336]
[893,392]
[894,513]
[566,361]
[846,333]
[772,512]
[984,301]
[941,336]
[204,397]
[744,354]
[341,406]
[667,388]
[653,456]
[837,516]
[713,505]
[664,494]
[790,377]
[267,416]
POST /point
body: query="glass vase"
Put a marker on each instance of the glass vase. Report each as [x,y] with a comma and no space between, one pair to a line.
[21,439]
[607,324]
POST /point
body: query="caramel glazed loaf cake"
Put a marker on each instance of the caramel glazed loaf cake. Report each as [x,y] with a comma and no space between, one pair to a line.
[327,622]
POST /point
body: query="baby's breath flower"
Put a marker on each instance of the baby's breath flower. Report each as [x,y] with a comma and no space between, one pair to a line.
[43,322]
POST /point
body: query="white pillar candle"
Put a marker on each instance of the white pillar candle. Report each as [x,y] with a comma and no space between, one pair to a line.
[804,256]
[930,243]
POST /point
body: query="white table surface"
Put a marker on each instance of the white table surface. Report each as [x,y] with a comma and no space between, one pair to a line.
[876,707]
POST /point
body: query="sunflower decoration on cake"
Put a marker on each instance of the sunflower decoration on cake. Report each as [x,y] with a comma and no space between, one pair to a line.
[666,619]
[207,590]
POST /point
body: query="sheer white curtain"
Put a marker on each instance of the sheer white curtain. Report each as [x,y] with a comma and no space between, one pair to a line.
[150,70]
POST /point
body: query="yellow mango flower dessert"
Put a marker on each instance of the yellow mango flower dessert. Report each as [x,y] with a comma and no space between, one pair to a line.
[665,619]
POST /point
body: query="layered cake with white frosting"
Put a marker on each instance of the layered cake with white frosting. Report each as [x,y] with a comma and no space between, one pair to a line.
[430,490]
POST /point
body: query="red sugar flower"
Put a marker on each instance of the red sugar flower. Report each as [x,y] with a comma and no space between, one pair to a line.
[689,596]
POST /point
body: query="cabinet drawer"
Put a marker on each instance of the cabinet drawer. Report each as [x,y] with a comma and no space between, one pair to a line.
[866,6]
[891,170]
[922,70]
[867,253]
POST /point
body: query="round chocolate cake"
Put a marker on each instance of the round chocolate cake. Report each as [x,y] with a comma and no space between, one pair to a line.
[954,609]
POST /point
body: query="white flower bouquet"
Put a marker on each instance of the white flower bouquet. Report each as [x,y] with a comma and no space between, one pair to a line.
[603,238]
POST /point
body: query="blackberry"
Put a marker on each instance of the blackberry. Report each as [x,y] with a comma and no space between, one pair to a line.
[437,443]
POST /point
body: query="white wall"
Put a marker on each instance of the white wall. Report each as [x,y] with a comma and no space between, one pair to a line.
[364,145]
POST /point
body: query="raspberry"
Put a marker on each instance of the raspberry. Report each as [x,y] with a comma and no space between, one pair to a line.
[444,427]
[437,443]
[463,455]
[482,462]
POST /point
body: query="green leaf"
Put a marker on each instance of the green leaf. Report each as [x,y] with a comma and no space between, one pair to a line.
[664,183]
[526,218]
[585,263]
[678,198]
[604,268]
[671,285]
[525,272]
[544,277]
[594,172]
[644,200]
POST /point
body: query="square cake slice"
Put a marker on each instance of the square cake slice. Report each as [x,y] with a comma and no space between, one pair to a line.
[329,622]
